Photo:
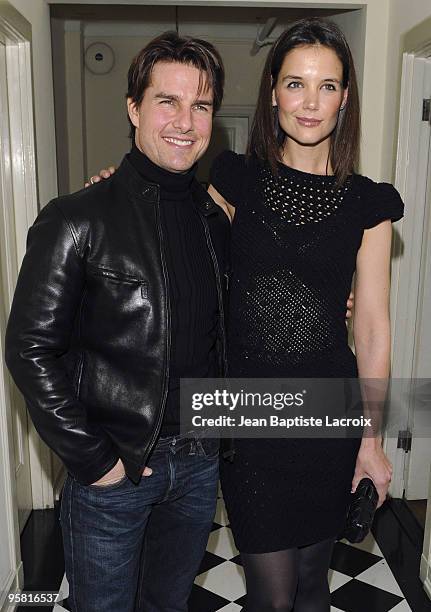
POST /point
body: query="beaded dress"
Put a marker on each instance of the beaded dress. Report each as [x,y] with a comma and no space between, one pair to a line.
[295,238]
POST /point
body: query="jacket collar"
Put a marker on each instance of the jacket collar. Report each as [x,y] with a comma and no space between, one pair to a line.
[138,187]
[203,200]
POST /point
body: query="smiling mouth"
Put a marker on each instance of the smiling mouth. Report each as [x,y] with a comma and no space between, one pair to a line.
[308,121]
[178,142]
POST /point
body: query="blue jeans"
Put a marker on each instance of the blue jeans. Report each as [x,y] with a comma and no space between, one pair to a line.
[138,548]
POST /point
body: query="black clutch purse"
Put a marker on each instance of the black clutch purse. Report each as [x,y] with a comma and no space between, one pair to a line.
[361,511]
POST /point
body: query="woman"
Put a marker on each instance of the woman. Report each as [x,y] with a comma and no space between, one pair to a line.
[303,221]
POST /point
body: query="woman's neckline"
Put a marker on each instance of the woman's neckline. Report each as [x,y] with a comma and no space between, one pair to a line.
[303,174]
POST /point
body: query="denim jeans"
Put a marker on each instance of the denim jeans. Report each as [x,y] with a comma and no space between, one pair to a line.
[138,548]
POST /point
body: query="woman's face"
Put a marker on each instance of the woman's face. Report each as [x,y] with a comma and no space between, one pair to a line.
[309,93]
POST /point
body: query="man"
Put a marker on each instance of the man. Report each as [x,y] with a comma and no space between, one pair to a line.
[119,296]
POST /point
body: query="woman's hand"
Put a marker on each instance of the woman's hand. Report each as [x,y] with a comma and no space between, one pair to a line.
[373,463]
[350,302]
[105,173]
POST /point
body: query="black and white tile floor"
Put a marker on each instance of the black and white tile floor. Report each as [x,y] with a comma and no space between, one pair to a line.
[360,578]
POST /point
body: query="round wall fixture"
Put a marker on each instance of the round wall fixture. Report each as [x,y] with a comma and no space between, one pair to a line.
[99,58]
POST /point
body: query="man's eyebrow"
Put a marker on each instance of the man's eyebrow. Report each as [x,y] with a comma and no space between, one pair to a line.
[165,96]
[204,102]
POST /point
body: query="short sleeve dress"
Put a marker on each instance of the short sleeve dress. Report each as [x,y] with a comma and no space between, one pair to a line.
[295,239]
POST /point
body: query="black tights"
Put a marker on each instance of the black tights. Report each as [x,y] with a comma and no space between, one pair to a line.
[295,578]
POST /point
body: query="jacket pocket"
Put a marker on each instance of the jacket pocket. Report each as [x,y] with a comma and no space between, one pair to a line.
[121,278]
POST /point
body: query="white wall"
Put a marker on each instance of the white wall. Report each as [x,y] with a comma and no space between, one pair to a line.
[403,16]
[37,13]
[353,26]
[60,107]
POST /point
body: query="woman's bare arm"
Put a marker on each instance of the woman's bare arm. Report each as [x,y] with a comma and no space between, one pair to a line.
[371,330]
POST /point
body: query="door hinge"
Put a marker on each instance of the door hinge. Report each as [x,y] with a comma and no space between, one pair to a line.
[405,440]
[426,110]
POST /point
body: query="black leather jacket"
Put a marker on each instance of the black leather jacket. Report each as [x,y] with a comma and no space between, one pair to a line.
[88,338]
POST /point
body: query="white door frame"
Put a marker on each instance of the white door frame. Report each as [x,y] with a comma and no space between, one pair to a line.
[16,33]
[413,145]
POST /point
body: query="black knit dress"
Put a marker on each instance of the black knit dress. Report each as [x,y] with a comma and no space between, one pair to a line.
[294,244]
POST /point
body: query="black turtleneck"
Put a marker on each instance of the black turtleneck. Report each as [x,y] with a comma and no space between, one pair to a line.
[192,288]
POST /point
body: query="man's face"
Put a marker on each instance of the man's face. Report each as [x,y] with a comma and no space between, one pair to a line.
[173,123]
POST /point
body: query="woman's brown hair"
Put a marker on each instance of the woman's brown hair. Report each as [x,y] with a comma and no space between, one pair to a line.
[267,136]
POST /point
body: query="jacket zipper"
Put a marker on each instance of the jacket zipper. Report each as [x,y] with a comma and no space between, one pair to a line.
[168,317]
[80,365]
[230,452]
[219,290]
[168,338]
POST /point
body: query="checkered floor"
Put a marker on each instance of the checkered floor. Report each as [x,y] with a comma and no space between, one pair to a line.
[359,578]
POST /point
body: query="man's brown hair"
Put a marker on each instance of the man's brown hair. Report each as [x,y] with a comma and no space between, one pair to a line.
[170,47]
